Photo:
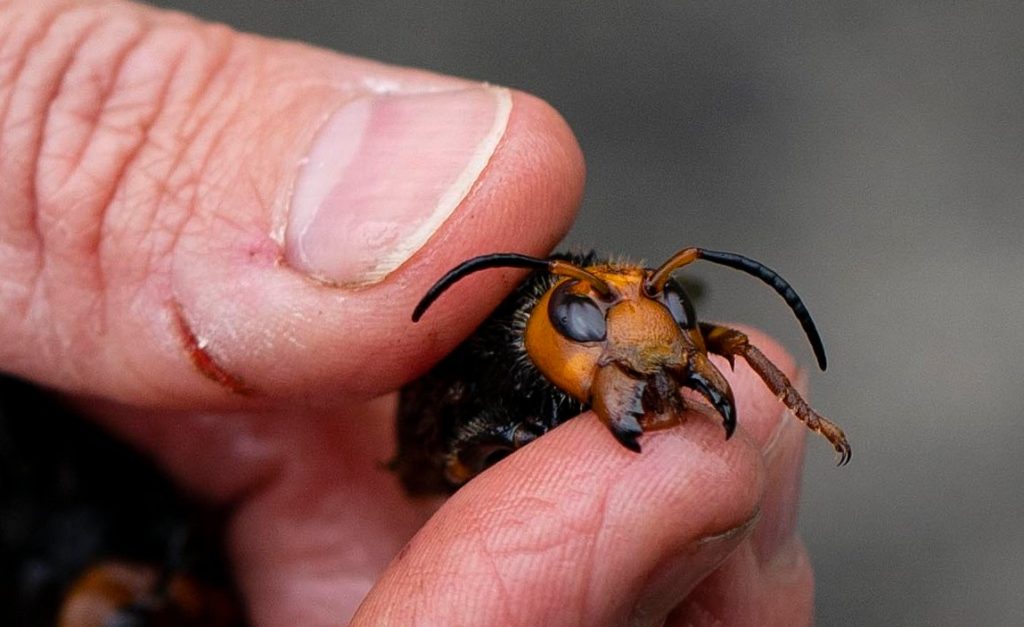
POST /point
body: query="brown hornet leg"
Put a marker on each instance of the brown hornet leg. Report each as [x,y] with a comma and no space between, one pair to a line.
[483,442]
[729,342]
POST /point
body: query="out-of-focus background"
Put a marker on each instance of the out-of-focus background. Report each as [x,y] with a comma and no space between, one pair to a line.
[873,153]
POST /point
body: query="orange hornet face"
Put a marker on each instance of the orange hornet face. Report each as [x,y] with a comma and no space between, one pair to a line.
[626,353]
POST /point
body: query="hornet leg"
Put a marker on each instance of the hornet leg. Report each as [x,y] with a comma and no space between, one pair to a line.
[730,342]
[484,441]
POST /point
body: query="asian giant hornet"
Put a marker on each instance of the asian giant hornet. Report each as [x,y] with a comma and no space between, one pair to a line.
[581,332]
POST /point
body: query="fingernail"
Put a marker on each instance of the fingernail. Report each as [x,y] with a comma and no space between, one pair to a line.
[680,573]
[384,173]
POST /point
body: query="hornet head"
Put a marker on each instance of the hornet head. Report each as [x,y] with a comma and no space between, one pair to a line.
[625,339]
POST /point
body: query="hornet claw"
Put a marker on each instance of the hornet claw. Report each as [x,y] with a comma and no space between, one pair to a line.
[704,378]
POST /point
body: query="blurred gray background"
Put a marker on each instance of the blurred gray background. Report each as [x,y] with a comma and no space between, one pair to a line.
[873,153]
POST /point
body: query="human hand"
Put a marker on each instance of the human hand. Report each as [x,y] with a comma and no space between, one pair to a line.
[212,243]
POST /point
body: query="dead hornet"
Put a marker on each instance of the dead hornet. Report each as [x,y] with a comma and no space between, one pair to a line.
[581,333]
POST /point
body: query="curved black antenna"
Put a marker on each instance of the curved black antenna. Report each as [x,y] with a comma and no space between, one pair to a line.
[508,260]
[657,279]
[476,264]
[780,285]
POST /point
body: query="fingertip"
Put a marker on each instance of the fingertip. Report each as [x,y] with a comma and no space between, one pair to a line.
[543,145]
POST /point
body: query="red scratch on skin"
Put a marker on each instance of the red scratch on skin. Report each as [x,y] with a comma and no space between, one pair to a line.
[201,358]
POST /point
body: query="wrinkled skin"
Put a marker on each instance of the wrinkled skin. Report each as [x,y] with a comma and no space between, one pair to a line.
[148,162]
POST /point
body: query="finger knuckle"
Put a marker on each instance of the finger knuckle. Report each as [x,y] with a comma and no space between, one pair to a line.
[103,135]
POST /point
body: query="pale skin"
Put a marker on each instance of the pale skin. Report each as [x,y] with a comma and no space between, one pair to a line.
[148,162]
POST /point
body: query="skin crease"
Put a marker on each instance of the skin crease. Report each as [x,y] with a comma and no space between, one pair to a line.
[147,159]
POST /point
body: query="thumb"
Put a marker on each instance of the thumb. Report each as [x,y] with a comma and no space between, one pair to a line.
[187,210]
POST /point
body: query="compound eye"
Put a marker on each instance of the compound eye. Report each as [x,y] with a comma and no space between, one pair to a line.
[576,316]
[679,305]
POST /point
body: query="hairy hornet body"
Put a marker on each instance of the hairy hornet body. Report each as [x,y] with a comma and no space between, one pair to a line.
[578,333]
